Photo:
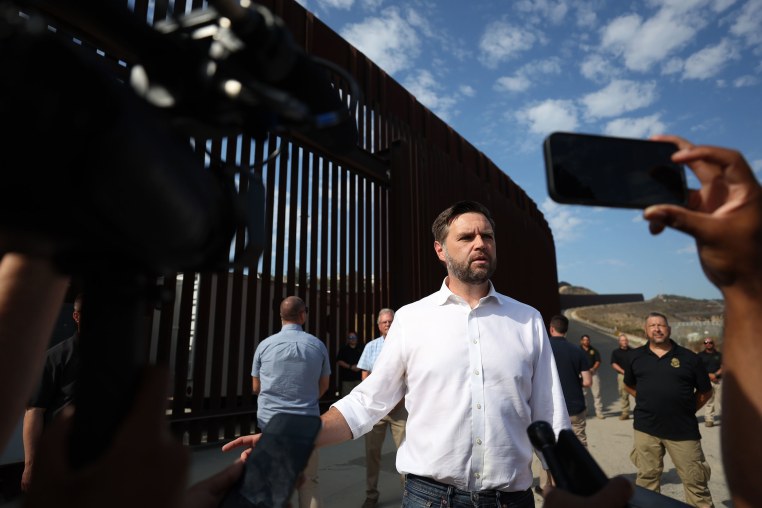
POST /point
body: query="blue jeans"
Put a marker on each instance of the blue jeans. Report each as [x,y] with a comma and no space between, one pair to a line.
[423,492]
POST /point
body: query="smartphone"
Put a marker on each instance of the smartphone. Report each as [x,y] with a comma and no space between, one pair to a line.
[575,470]
[586,169]
[275,463]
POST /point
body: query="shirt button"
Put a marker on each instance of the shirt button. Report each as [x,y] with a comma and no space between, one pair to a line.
[476,372]
[475,341]
[477,475]
[478,441]
[478,406]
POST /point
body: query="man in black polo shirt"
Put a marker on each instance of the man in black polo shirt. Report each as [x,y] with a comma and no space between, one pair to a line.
[574,373]
[55,391]
[712,360]
[619,358]
[594,360]
[669,384]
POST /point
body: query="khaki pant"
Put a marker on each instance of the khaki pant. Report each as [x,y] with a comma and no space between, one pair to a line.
[596,389]
[309,492]
[710,406]
[579,424]
[374,442]
[624,395]
[688,457]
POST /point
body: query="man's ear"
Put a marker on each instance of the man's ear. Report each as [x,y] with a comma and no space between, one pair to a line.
[439,249]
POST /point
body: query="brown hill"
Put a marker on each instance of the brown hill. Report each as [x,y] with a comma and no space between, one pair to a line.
[690,318]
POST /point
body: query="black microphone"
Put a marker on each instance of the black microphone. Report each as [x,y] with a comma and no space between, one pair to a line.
[543,438]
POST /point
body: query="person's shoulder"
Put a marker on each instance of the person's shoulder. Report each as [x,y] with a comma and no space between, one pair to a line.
[515,305]
[62,347]
[432,300]
[638,351]
[685,351]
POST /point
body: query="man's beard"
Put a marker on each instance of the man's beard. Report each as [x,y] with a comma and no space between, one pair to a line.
[464,273]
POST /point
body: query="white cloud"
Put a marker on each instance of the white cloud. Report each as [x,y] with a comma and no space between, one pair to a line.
[709,61]
[512,84]
[467,90]
[744,81]
[721,5]
[548,116]
[748,25]
[345,4]
[596,68]
[636,127]
[619,96]
[643,43]
[563,222]
[389,40]
[524,77]
[337,4]
[586,16]
[429,92]
[673,66]
[553,11]
[502,41]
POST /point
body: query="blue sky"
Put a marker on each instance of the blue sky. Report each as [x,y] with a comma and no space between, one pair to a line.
[506,73]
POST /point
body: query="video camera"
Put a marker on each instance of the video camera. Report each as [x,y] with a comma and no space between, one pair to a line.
[108,173]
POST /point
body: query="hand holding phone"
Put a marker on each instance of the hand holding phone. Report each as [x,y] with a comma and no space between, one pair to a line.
[274,465]
[585,169]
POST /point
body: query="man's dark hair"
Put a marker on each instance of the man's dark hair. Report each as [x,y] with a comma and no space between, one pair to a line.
[441,225]
[559,323]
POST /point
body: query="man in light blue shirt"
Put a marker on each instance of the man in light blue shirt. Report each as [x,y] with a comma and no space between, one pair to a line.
[290,373]
[395,420]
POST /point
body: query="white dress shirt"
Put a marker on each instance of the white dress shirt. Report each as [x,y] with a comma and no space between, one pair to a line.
[473,381]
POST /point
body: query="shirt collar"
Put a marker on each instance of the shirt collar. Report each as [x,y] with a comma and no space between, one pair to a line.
[444,294]
[292,326]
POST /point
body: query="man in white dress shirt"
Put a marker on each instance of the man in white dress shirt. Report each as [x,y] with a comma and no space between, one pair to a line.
[475,368]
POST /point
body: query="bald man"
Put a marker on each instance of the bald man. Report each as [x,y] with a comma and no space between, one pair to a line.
[289,374]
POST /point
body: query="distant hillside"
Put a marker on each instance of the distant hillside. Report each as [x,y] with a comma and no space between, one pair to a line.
[690,319]
[565,288]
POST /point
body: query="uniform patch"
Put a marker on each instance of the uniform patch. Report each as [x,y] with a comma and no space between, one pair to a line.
[675,363]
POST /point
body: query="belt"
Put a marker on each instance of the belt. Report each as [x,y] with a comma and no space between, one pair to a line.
[507,495]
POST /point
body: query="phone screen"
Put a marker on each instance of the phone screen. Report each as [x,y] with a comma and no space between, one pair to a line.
[275,463]
[586,169]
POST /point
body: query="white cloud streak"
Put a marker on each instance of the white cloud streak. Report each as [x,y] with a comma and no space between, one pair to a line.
[619,96]
[709,61]
[428,91]
[748,24]
[502,41]
[563,222]
[636,127]
[644,42]
[389,40]
[548,116]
